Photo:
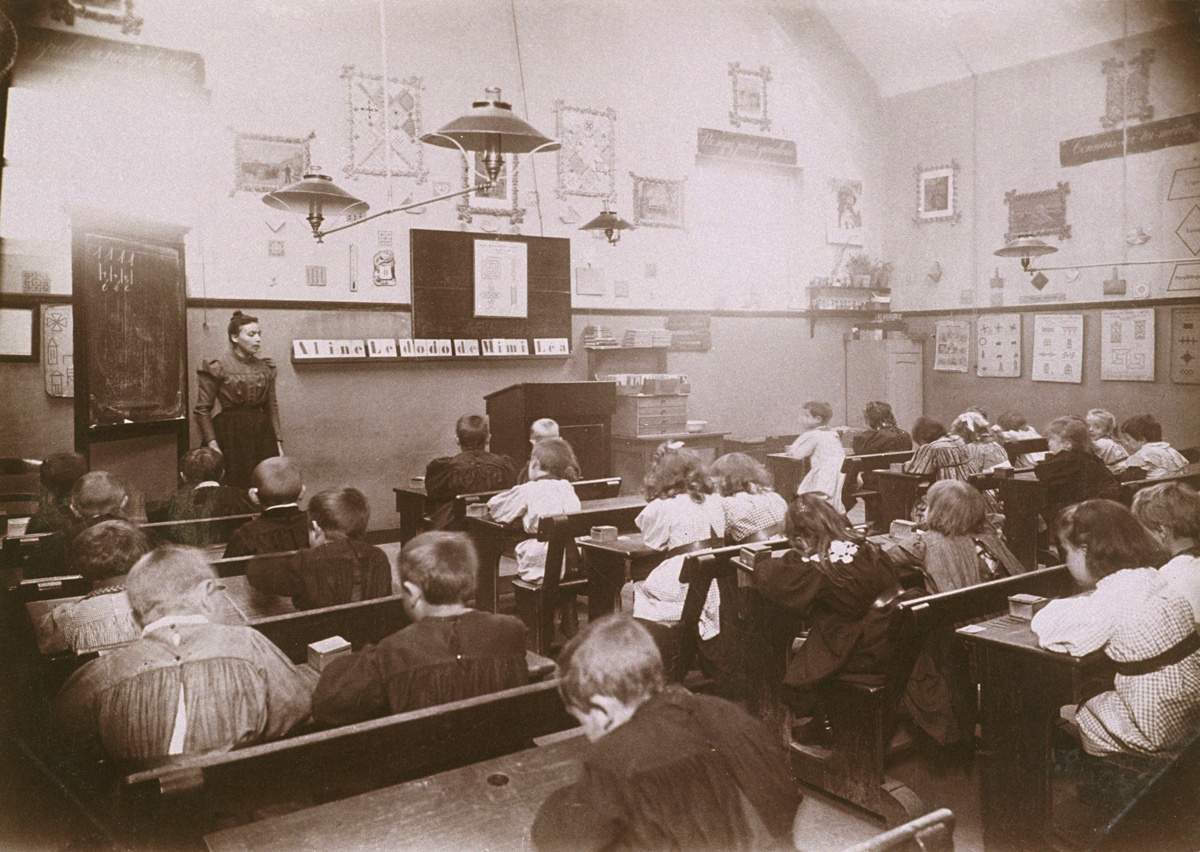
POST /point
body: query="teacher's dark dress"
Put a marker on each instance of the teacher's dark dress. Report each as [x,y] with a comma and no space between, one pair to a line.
[247,427]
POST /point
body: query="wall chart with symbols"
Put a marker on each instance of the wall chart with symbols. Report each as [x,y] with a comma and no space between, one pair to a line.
[1127,345]
[1185,346]
[1058,348]
[998,337]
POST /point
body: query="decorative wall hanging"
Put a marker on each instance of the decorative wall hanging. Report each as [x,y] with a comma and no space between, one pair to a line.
[998,346]
[499,200]
[937,194]
[266,163]
[370,136]
[58,350]
[1127,95]
[1132,139]
[35,281]
[657,203]
[749,96]
[1035,214]
[587,159]
[1127,345]
[119,12]
[1189,230]
[843,219]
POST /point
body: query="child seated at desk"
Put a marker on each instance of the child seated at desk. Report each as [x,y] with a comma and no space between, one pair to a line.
[448,653]
[1150,457]
[339,567]
[186,686]
[95,497]
[753,512]
[283,525]
[882,435]
[473,470]
[666,769]
[1102,429]
[822,447]
[552,467]
[1141,622]
[957,546]
[103,555]
[682,515]
[1071,472]
[1013,426]
[1171,511]
[58,473]
[937,455]
[834,576]
[201,494]
[543,430]
[982,449]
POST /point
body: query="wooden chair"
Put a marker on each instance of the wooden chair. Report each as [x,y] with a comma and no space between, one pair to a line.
[933,832]
[536,603]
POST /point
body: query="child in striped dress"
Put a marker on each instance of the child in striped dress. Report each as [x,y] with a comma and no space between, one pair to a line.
[1143,625]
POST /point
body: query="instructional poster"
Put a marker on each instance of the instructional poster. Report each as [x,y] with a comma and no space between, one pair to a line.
[1185,346]
[999,346]
[1127,345]
[501,279]
[953,346]
[1058,348]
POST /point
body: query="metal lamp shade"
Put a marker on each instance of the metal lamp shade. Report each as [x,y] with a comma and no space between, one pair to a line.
[315,195]
[607,221]
[1025,247]
[491,125]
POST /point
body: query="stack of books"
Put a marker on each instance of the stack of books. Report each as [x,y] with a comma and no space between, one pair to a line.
[642,337]
[596,336]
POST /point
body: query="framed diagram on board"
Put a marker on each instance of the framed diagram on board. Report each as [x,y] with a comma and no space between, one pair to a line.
[953,346]
[998,346]
[1058,348]
[1127,345]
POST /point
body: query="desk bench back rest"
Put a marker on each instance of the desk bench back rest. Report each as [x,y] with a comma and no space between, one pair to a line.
[585,489]
[1024,446]
[1190,475]
[361,623]
[560,531]
[211,530]
[946,609]
[235,566]
[354,758]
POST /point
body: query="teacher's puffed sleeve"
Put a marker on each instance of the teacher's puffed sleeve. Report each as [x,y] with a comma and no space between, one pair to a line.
[272,401]
[210,374]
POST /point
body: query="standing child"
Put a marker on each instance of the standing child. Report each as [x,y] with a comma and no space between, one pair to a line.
[548,493]
[1102,429]
[1150,457]
[339,567]
[822,447]
[1171,511]
[1143,625]
[682,515]
[666,769]
[448,653]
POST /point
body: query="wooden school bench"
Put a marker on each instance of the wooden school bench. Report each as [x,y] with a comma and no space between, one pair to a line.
[1190,475]
[535,602]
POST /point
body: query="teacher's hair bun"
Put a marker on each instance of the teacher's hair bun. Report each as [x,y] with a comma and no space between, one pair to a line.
[237,314]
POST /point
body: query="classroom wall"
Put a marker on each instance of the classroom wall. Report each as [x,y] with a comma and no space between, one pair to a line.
[1176,407]
[1003,129]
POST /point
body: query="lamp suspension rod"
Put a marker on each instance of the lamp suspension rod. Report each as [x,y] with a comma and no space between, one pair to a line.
[1106,265]
[480,188]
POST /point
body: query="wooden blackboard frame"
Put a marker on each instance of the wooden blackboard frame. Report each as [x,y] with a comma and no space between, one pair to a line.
[87,223]
[442,265]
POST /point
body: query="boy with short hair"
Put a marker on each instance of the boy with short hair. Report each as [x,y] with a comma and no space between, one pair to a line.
[201,494]
[58,475]
[187,686]
[283,525]
[95,497]
[656,748]
[448,653]
[1150,457]
[474,469]
[339,567]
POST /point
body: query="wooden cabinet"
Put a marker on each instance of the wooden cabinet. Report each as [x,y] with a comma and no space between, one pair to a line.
[642,415]
[583,411]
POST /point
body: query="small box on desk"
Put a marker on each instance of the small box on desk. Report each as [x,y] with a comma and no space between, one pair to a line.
[1025,606]
[901,527]
[604,533]
[320,653]
[756,553]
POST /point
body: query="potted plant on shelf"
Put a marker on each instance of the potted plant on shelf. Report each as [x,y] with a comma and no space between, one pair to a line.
[858,268]
[881,274]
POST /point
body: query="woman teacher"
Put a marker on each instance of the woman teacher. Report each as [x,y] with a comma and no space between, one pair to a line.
[246,430]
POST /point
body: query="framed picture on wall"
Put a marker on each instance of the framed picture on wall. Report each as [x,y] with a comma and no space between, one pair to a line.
[657,203]
[937,194]
[843,216]
[499,200]
[18,334]
[266,163]
[749,96]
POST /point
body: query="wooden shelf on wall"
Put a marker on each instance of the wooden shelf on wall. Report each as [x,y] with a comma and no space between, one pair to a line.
[640,359]
[428,359]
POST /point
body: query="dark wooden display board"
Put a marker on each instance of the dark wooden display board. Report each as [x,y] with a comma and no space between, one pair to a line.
[130,331]
[443,288]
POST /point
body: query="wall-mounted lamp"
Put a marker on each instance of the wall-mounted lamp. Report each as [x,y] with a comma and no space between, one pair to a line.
[490,128]
[610,223]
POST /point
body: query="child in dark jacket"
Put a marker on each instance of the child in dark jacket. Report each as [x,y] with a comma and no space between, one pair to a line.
[283,525]
[339,567]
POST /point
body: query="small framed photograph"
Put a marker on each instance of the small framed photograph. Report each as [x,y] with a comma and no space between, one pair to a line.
[657,203]
[937,194]
[18,334]
[500,200]
[119,12]
[749,96]
[267,163]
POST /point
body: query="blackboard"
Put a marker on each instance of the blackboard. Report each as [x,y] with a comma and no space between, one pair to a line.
[131,329]
[443,287]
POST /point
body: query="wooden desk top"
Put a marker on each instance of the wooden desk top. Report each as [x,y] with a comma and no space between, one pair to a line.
[249,603]
[488,805]
[677,436]
[629,545]
[622,502]
[1015,633]
[417,490]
